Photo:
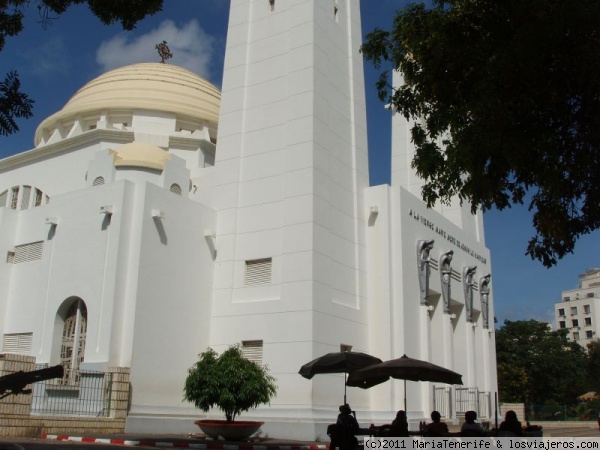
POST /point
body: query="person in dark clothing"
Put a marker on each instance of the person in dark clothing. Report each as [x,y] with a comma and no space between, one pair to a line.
[436,428]
[343,433]
[399,426]
[511,424]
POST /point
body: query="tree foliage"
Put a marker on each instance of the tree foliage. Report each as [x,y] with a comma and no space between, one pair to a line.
[13,104]
[506,102]
[230,382]
[593,366]
[536,364]
[16,104]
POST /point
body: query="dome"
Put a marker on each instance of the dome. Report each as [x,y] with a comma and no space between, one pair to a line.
[141,154]
[152,86]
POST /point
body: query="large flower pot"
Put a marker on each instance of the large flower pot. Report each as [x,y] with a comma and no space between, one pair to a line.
[230,431]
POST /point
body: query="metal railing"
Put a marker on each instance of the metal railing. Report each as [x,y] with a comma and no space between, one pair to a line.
[83,393]
[455,401]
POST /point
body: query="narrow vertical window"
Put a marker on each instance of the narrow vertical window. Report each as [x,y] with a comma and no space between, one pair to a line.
[73,342]
[14,197]
[3,198]
[272,3]
[25,197]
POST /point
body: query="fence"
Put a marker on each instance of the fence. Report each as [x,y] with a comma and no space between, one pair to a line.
[83,393]
[80,402]
[452,402]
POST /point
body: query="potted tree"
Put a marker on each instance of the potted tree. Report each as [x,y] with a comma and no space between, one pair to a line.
[231,383]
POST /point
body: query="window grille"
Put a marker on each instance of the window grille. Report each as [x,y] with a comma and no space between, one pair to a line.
[3,197]
[27,252]
[25,197]
[176,189]
[19,343]
[15,197]
[98,181]
[73,342]
[258,272]
[253,351]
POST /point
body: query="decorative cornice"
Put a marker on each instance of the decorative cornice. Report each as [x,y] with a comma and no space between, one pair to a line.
[89,137]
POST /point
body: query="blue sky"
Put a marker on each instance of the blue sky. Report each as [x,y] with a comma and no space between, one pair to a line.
[54,62]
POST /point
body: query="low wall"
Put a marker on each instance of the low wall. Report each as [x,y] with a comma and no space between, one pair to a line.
[15,410]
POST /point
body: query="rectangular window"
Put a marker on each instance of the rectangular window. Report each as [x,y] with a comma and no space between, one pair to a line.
[19,343]
[253,351]
[586,309]
[258,272]
[589,334]
[575,322]
[562,324]
[590,295]
[588,321]
[566,299]
[561,312]
[576,336]
[574,310]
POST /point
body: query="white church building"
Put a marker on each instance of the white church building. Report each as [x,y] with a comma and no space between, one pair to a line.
[157,216]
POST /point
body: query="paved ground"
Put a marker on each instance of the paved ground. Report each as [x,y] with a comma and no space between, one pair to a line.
[201,442]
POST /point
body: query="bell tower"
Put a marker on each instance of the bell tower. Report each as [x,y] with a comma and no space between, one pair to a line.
[291,171]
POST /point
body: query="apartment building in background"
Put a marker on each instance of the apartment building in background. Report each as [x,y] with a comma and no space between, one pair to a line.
[579,309]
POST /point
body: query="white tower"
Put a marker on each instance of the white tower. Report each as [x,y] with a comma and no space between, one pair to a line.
[291,171]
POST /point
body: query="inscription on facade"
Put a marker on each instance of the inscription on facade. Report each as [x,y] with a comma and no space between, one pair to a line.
[447,236]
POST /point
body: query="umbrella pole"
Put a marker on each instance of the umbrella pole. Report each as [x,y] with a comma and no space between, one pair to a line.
[345,379]
[405,396]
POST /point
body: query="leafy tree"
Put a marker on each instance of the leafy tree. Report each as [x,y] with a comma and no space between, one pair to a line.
[16,104]
[536,364]
[506,102]
[13,104]
[230,382]
[593,365]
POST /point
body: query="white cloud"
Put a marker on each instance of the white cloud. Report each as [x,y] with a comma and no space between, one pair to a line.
[191,47]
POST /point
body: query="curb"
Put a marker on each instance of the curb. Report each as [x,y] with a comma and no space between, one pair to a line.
[200,445]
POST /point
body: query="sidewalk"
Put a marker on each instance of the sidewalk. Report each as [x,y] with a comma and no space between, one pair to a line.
[200,441]
[191,441]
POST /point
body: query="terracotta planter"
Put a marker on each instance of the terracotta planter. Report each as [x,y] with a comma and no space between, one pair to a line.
[230,431]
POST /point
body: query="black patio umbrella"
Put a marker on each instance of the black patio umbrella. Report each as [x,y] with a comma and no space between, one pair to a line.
[338,362]
[404,368]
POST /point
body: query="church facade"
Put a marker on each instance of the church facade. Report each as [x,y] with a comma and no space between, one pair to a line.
[157,216]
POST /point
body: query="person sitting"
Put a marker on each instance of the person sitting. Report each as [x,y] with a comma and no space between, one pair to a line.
[436,428]
[399,427]
[511,425]
[470,427]
[343,433]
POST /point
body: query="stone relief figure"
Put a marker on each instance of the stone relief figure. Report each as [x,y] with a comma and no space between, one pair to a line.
[484,293]
[468,275]
[445,275]
[423,249]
